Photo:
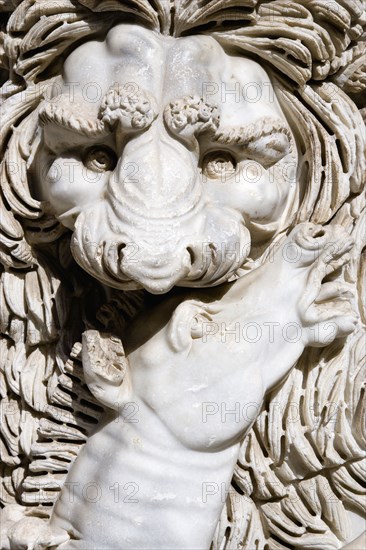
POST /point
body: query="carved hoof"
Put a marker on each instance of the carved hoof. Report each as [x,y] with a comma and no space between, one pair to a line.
[104,356]
[105,367]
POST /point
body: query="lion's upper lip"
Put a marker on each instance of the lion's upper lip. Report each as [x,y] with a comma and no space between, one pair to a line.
[204,253]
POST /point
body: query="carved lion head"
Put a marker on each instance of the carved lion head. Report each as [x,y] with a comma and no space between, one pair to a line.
[174,140]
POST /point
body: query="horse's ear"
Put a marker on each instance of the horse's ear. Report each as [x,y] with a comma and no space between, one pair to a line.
[187,323]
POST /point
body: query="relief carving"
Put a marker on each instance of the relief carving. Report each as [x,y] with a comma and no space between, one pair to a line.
[182,287]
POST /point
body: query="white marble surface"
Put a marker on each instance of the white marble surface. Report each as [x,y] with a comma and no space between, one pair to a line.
[183,321]
[188,186]
[178,446]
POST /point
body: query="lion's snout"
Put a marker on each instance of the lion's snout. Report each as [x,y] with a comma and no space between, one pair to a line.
[156,269]
[193,254]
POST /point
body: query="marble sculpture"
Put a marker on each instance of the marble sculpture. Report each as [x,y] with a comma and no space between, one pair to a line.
[182,284]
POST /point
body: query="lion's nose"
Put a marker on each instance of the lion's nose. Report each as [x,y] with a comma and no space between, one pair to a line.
[156,179]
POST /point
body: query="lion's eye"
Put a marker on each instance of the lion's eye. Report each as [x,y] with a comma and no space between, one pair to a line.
[100,159]
[219,164]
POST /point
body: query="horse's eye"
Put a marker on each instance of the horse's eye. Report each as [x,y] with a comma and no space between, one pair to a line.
[100,159]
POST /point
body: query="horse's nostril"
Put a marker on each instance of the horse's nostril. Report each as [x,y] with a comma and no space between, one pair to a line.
[319,232]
